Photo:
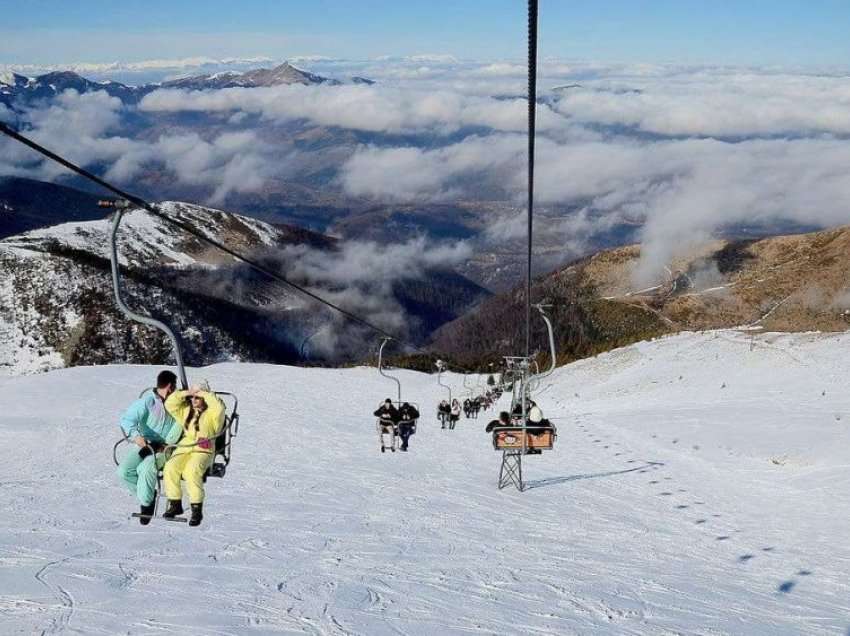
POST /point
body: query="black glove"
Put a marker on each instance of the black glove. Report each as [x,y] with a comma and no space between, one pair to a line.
[156,446]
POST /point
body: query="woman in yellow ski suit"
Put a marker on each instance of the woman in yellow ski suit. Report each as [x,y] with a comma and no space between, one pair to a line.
[201,414]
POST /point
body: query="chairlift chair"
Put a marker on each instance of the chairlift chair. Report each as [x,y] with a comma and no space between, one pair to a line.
[224,439]
[385,427]
[442,417]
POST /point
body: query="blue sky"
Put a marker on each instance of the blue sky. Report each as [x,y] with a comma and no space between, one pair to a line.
[777,32]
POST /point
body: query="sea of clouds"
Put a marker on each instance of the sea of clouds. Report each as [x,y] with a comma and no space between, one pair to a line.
[684,151]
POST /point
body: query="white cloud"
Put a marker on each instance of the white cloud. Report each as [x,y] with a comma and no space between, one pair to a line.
[720,105]
[638,143]
[79,127]
[410,174]
[679,189]
[368,108]
[187,64]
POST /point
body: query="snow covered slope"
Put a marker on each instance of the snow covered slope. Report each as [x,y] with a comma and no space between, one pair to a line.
[700,485]
[57,307]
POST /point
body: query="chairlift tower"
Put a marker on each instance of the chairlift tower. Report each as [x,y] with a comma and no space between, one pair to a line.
[514,440]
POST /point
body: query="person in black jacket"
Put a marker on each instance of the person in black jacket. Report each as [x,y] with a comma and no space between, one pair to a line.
[407,416]
[504,420]
[388,418]
[444,412]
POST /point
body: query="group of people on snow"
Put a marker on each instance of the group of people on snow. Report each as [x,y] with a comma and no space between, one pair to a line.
[392,419]
[174,431]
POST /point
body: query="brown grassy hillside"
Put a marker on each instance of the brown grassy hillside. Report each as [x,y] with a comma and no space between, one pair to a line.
[784,283]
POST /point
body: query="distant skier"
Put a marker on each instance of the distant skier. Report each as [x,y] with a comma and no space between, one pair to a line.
[201,414]
[444,412]
[149,425]
[454,414]
[467,408]
[407,416]
[388,418]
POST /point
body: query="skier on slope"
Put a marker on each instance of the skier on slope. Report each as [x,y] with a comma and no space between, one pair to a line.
[200,413]
[407,416]
[454,415]
[149,425]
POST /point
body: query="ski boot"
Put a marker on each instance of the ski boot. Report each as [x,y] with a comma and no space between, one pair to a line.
[197,514]
[146,514]
[175,507]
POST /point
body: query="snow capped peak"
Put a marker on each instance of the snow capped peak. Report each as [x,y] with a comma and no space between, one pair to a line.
[7,77]
[148,239]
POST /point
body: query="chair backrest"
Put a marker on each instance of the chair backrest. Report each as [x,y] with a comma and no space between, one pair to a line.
[224,440]
[510,438]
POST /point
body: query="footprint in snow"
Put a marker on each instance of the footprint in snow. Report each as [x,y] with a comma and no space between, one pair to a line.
[682,507]
[786,587]
[745,557]
[723,537]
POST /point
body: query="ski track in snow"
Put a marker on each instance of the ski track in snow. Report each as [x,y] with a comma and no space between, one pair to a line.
[700,485]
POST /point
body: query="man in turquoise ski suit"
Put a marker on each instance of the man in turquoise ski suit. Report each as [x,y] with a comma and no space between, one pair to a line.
[147,424]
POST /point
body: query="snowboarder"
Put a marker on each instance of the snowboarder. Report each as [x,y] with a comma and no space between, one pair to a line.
[149,425]
[388,417]
[407,415]
[200,413]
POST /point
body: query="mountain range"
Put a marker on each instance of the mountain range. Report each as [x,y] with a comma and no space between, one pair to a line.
[17,91]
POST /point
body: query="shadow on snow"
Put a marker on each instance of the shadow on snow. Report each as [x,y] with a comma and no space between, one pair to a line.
[552,481]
